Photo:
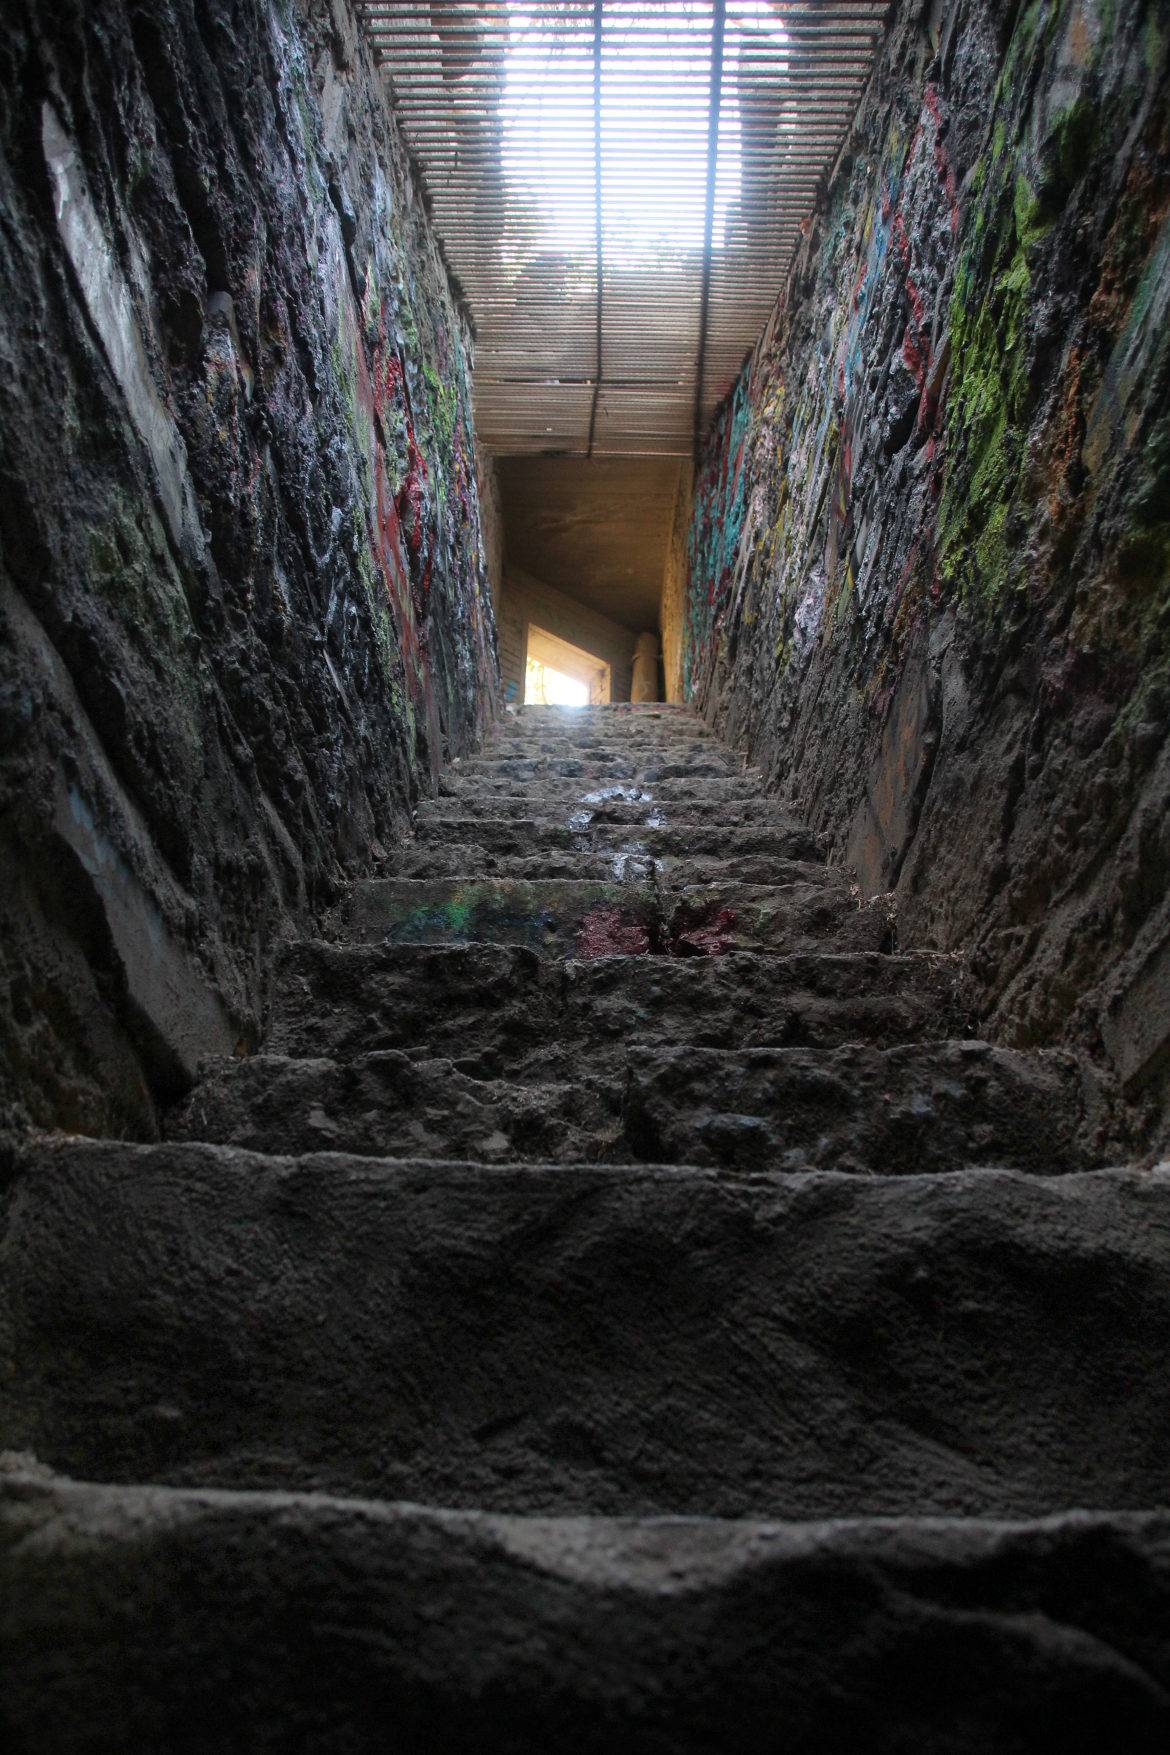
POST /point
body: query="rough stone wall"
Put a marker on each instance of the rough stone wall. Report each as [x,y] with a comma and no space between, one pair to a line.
[242,595]
[929,558]
[526,599]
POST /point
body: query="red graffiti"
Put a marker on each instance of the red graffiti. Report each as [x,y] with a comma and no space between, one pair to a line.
[914,357]
[915,347]
[708,933]
[607,932]
[373,395]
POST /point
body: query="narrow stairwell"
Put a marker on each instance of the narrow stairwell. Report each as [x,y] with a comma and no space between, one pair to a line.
[621,1308]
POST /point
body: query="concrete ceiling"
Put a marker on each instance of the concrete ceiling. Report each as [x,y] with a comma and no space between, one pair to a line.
[597,529]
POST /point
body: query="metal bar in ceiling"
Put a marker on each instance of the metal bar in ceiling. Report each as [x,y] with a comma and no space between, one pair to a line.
[718,19]
[613,310]
[600,263]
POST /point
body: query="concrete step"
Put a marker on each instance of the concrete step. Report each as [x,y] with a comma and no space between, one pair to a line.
[391,1105]
[627,715]
[602,1340]
[912,1110]
[607,804]
[554,917]
[584,727]
[455,783]
[519,835]
[668,871]
[921,1109]
[504,1009]
[594,727]
[688,759]
[334,1618]
[599,769]
[563,917]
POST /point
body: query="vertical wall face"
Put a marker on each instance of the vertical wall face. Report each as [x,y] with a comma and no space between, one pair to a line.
[242,594]
[929,584]
[672,616]
[530,602]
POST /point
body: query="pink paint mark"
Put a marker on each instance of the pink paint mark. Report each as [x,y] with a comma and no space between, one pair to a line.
[709,933]
[607,932]
[374,391]
[916,304]
[914,354]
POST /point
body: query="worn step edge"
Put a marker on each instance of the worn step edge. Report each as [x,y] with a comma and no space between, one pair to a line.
[395,1103]
[381,988]
[593,1340]
[128,1605]
[554,914]
[470,861]
[529,834]
[587,810]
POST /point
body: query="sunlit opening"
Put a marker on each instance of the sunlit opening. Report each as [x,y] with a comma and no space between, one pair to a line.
[546,687]
[559,674]
[655,92]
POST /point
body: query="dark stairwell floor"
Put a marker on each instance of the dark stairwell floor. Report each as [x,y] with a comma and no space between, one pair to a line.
[621,1308]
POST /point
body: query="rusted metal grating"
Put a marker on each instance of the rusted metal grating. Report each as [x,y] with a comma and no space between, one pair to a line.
[620,189]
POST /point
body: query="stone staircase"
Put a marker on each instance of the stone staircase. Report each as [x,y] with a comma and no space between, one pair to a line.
[621,1308]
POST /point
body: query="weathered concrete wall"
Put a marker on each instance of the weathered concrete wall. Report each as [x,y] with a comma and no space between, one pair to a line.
[672,615]
[526,600]
[929,556]
[241,578]
[491,518]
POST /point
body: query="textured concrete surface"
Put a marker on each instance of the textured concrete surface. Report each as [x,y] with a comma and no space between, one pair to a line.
[592,1339]
[169,1611]
[474,1357]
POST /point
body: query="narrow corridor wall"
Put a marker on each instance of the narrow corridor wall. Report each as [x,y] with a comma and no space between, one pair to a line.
[672,615]
[242,589]
[929,584]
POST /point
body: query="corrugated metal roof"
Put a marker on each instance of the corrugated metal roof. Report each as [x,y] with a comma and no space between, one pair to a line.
[620,187]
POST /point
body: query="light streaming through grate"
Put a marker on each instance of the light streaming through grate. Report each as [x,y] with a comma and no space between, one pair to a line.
[620,188]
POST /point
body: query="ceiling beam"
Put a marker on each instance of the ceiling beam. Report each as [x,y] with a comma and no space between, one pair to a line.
[717,22]
[597,30]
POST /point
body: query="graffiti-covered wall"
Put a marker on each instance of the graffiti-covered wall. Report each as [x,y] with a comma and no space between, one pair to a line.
[929,560]
[242,592]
